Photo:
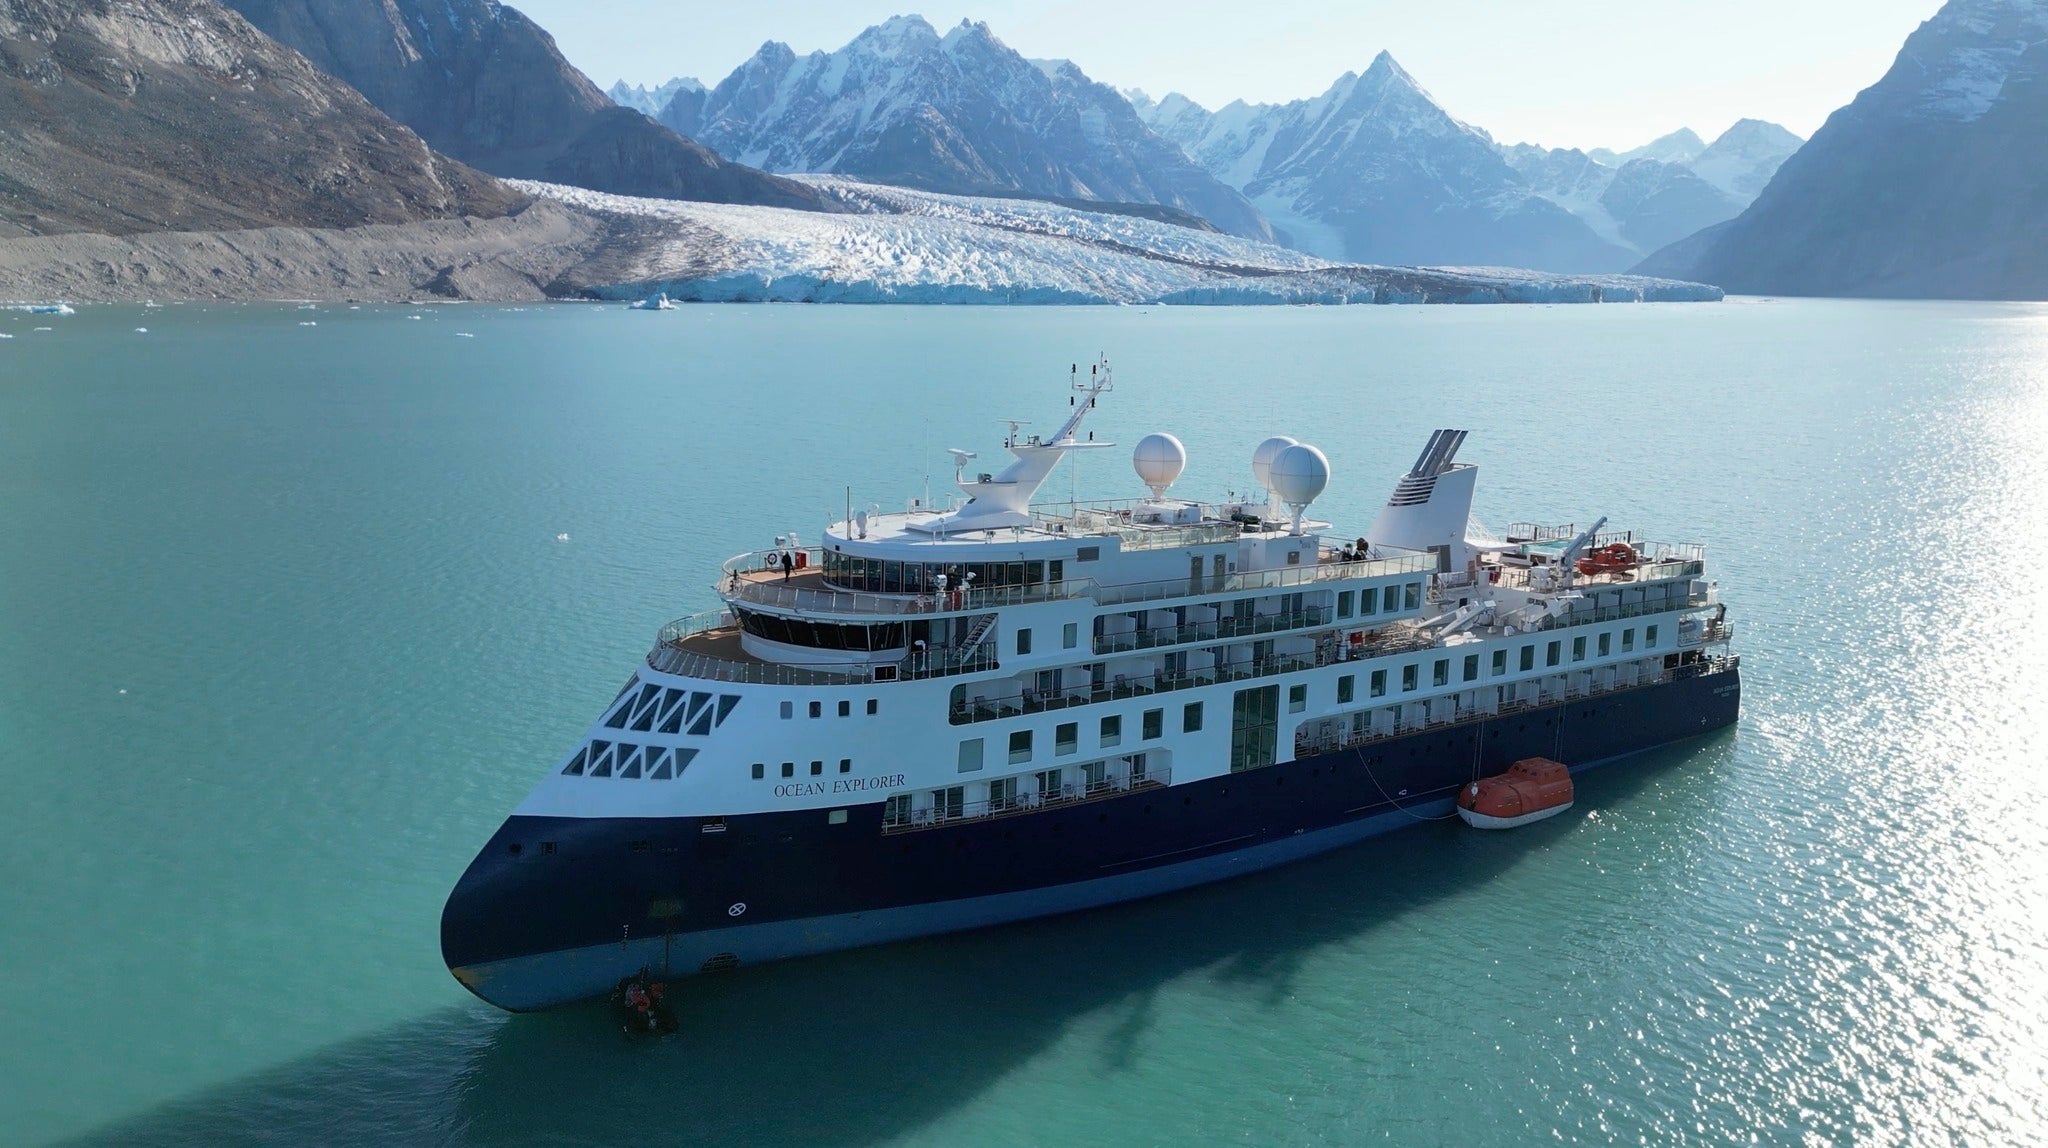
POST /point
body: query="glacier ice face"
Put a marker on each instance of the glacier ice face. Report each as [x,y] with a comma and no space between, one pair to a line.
[900,245]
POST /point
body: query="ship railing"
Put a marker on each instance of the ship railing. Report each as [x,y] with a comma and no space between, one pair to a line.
[1308,744]
[1589,615]
[966,708]
[1221,629]
[1069,793]
[672,655]
[1712,633]
[740,584]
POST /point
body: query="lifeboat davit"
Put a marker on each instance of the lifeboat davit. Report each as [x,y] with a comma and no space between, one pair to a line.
[1608,559]
[1532,789]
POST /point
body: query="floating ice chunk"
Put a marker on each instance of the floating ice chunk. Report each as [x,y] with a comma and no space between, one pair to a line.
[5,336]
[561,538]
[142,330]
[464,335]
[43,308]
[309,323]
[46,328]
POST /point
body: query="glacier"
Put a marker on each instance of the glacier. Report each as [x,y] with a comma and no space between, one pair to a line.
[898,245]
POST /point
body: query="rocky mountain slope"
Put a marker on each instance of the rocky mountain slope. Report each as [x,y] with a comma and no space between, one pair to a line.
[1374,171]
[1742,160]
[650,101]
[122,116]
[963,113]
[1933,182]
[484,84]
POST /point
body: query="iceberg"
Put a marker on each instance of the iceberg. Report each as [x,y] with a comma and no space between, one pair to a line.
[659,301]
[42,308]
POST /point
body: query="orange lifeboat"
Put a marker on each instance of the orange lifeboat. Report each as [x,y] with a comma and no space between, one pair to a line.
[1608,559]
[1532,789]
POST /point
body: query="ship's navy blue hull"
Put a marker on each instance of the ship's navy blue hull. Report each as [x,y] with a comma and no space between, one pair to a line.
[581,903]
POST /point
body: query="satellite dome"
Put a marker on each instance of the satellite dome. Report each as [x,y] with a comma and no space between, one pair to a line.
[1262,459]
[1159,459]
[1299,475]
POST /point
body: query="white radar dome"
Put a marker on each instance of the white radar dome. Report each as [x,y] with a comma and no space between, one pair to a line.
[1299,475]
[1263,456]
[1159,459]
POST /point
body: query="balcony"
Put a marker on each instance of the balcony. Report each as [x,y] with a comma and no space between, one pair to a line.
[1072,793]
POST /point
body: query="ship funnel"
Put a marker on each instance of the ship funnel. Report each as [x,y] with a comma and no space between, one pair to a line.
[1431,504]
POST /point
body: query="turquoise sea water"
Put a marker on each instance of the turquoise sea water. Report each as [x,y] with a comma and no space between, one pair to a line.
[286,629]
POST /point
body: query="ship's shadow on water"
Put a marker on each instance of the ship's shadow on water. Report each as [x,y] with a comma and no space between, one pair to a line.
[862,1046]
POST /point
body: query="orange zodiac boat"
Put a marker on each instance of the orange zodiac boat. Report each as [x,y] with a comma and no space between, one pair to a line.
[1532,789]
[1608,559]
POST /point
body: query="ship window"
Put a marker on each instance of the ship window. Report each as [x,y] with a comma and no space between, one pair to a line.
[1088,554]
[817,768]
[1056,570]
[788,709]
[896,810]
[1552,653]
[1579,648]
[871,707]
[1500,662]
[845,707]
[1066,738]
[631,768]
[661,772]
[970,755]
[1112,730]
[1048,783]
[789,769]
[1411,596]
[1471,667]
[1297,699]
[1369,601]
[1020,746]
[1440,674]
[1379,683]
[1070,635]
[836,817]
[683,759]
[575,765]
[1628,639]
[1191,718]
[1606,644]
[1410,677]
[1294,557]
[1002,794]
[846,765]
[817,709]
[1649,637]
[1345,601]
[949,802]
[760,771]
[1154,723]
[1528,658]
[1023,642]
[1347,688]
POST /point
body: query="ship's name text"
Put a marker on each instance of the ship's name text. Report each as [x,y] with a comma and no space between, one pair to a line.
[839,785]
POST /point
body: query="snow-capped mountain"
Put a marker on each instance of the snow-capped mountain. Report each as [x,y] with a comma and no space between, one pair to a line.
[961,112]
[1680,146]
[1931,183]
[1643,205]
[1745,157]
[650,101]
[1374,171]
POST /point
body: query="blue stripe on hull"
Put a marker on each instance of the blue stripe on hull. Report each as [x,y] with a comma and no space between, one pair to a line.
[880,889]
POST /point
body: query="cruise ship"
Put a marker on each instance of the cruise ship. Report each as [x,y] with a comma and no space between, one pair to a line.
[1002,708]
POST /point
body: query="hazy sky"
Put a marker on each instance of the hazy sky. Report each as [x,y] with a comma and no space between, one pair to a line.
[1573,73]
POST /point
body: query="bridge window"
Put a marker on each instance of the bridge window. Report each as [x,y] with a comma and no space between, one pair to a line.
[1369,601]
[1346,600]
[1411,596]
